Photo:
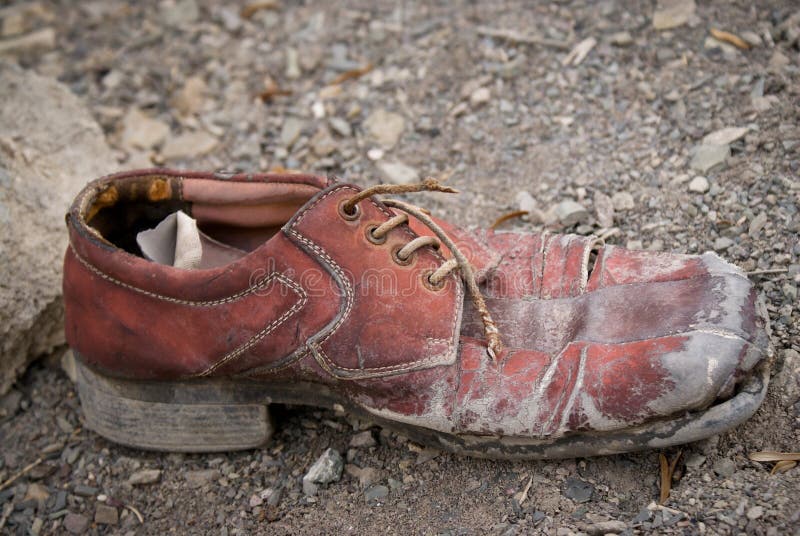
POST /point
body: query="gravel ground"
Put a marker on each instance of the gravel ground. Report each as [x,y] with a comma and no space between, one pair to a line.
[493,97]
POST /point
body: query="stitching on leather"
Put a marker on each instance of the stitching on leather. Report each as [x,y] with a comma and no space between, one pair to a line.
[340,273]
[209,303]
[265,369]
[267,330]
[299,304]
[328,364]
[540,274]
[325,361]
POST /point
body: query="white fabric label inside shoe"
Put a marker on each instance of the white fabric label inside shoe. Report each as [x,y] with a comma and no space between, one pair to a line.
[173,242]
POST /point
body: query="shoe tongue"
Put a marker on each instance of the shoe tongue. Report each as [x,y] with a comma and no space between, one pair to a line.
[174,242]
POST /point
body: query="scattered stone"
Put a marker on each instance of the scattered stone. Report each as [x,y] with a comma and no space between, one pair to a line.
[751,38]
[363,439]
[755,512]
[578,490]
[788,377]
[673,13]
[376,494]
[623,201]
[83,490]
[724,467]
[40,40]
[366,476]
[645,514]
[778,61]
[140,131]
[322,143]
[49,146]
[757,224]
[146,476]
[36,492]
[191,98]
[341,127]
[725,136]
[570,213]
[699,185]
[292,127]
[106,515]
[256,500]
[712,43]
[526,201]
[695,460]
[189,145]
[398,173]
[621,39]
[76,523]
[707,157]
[292,64]
[180,14]
[328,468]
[604,209]
[605,527]
[385,127]
[230,19]
[722,243]
[201,477]
[479,97]
[375,154]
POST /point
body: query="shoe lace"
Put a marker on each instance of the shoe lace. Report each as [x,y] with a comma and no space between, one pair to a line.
[494,344]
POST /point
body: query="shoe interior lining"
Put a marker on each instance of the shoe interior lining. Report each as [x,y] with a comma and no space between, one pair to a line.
[242,215]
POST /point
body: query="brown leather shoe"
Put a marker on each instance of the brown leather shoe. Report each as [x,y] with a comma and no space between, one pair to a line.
[295,289]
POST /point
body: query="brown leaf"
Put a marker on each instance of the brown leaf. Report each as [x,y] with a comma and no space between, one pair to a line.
[251,9]
[783,466]
[667,470]
[772,456]
[268,94]
[666,481]
[352,74]
[728,37]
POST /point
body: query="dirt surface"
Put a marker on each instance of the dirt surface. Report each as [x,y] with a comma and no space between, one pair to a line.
[618,131]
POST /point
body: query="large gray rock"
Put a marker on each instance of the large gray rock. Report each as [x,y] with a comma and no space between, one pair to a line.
[49,148]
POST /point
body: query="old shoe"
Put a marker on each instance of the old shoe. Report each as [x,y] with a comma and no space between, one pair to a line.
[195,300]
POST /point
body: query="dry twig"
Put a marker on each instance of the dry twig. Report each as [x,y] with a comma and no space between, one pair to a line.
[505,217]
[517,37]
[25,470]
[352,74]
[728,37]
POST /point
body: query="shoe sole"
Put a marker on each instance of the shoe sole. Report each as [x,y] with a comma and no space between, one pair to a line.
[208,415]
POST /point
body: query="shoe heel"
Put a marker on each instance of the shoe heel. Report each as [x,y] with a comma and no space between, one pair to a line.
[169,416]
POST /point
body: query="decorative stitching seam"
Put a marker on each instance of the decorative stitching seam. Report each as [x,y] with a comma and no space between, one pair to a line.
[544,250]
[329,364]
[348,289]
[267,370]
[264,332]
[299,304]
[190,303]
[325,361]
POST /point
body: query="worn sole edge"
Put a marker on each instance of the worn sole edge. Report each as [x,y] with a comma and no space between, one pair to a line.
[207,415]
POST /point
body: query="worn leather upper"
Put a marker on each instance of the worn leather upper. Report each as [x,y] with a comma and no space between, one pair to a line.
[643,336]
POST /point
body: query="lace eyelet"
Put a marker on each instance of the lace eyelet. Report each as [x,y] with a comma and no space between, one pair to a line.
[430,285]
[349,216]
[369,230]
[396,258]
